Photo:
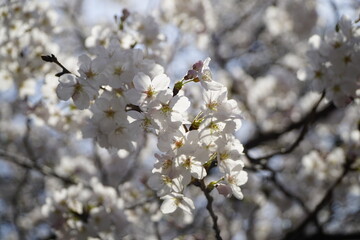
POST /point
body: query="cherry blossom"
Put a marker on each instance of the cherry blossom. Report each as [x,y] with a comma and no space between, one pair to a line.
[76,88]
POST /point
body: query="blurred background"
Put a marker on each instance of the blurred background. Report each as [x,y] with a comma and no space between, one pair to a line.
[302,155]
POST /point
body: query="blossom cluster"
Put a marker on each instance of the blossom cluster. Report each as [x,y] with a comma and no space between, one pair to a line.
[283,19]
[188,154]
[333,62]
[24,36]
[157,146]
[128,93]
[130,30]
[79,212]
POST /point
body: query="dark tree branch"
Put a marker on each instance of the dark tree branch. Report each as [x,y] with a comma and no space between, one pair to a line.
[210,208]
[307,120]
[252,222]
[292,196]
[52,59]
[16,202]
[334,236]
[265,137]
[15,199]
[282,151]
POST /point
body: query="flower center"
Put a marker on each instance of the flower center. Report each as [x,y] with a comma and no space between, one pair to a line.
[187,163]
[150,92]
[167,164]
[109,113]
[90,74]
[212,106]
[118,70]
[166,109]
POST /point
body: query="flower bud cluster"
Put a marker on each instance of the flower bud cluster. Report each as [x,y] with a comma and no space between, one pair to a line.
[78,212]
[333,63]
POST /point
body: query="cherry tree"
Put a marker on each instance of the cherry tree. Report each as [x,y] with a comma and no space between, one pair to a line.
[174,119]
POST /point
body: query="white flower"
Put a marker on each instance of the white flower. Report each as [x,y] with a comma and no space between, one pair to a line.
[213,128]
[224,190]
[164,184]
[142,120]
[168,111]
[173,201]
[139,64]
[108,113]
[229,153]
[121,137]
[118,71]
[217,104]
[178,140]
[234,179]
[91,70]
[92,130]
[191,166]
[76,88]
[165,164]
[146,89]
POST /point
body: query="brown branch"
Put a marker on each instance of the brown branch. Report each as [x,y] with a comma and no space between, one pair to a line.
[52,59]
[210,208]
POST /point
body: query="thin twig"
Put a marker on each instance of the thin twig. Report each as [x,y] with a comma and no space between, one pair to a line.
[334,236]
[251,221]
[52,59]
[15,199]
[264,137]
[140,204]
[307,121]
[210,209]
[286,192]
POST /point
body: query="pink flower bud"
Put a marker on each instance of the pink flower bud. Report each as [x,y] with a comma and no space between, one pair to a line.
[191,74]
[198,66]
